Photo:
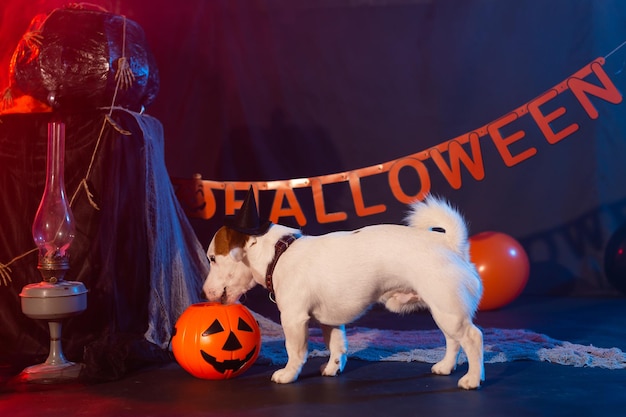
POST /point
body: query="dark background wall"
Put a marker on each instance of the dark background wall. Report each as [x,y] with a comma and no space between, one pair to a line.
[276,89]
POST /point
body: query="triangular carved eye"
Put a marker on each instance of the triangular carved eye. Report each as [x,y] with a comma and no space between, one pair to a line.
[215,327]
[232,343]
[243,326]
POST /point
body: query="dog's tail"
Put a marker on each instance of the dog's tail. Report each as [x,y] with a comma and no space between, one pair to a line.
[438,216]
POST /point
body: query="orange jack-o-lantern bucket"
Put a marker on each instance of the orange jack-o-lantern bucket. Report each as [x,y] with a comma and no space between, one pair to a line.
[216,341]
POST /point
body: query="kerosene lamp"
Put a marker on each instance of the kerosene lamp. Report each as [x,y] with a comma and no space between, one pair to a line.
[54,299]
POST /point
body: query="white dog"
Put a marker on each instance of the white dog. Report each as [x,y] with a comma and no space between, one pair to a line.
[335,277]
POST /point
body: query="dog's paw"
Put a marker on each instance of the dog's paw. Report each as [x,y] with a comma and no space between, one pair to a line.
[442,368]
[469,382]
[334,367]
[284,376]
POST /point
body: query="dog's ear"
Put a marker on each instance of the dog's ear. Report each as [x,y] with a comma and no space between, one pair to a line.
[251,242]
[237,253]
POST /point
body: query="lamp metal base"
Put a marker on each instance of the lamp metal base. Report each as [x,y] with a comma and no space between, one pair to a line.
[46,373]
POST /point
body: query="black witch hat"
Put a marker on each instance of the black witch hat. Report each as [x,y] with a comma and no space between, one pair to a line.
[247,220]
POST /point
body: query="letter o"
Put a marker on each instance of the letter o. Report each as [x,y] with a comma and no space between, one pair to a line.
[394,180]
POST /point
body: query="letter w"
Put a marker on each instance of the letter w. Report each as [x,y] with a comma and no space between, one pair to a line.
[457,155]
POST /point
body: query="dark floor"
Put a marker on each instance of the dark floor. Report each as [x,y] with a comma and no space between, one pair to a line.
[372,388]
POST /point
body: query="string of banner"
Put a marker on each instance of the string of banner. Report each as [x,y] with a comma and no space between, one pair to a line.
[197,195]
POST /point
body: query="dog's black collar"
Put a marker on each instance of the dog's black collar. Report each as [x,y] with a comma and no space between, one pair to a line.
[280,247]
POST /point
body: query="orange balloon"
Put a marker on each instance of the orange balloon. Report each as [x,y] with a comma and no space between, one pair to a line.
[503,266]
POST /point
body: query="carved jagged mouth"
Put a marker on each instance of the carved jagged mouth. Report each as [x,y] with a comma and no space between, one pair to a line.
[229,364]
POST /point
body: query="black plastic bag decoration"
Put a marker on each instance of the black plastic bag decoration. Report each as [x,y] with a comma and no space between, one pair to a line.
[81,57]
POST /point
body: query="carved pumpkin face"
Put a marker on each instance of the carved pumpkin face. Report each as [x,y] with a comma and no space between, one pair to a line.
[216,341]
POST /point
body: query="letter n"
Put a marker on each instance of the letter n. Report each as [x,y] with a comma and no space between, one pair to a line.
[582,89]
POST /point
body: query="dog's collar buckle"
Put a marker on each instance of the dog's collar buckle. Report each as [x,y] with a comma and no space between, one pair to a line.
[281,246]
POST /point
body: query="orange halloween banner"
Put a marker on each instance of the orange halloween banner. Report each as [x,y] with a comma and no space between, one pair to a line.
[197,196]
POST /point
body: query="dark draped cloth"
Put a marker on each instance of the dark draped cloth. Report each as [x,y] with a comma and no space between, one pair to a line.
[134,248]
[300,88]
